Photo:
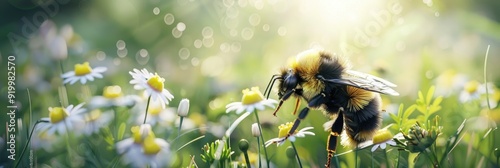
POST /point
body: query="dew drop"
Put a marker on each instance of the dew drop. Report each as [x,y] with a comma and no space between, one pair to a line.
[156,10]
[169,19]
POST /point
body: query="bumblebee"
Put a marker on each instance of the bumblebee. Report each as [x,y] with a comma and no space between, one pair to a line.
[350,99]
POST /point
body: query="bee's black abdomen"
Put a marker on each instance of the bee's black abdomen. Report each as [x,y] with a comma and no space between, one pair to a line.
[361,125]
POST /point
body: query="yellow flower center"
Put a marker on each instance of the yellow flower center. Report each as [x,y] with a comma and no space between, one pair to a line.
[156,82]
[284,129]
[141,133]
[57,114]
[93,115]
[150,146]
[471,86]
[112,92]
[496,95]
[154,110]
[82,69]
[251,96]
[382,136]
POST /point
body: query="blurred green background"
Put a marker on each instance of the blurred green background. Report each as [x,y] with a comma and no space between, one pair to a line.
[208,51]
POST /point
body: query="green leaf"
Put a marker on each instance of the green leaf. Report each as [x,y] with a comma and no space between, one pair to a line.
[400,110]
[395,118]
[421,97]
[121,131]
[409,111]
[430,93]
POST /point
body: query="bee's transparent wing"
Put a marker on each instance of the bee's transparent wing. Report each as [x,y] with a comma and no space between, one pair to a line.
[366,81]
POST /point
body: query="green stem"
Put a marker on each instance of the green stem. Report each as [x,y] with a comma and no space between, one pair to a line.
[180,126]
[246,159]
[262,137]
[27,143]
[372,159]
[64,98]
[399,158]
[485,79]
[356,157]
[147,108]
[258,146]
[296,154]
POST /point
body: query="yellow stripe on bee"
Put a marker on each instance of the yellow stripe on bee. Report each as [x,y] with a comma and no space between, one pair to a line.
[358,98]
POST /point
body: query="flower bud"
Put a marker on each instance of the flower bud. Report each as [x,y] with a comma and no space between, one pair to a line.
[243,145]
[183,108]
[255,130]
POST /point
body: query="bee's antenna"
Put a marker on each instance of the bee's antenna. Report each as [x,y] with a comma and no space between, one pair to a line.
[270,84]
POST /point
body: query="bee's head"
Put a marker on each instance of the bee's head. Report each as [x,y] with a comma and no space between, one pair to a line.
[288,81]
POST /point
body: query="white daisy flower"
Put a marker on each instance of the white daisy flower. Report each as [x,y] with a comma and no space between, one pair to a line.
[153,85]
[381,139]
[283,132]
[82,73]
[144,149]
[112,96]
[157,114]
[41,139]
[471,91]
[62,120]
[251,100]
[96,120]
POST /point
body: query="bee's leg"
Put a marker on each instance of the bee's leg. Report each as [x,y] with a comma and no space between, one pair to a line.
[297,104]
[315,102]
[283,99]
[335,131]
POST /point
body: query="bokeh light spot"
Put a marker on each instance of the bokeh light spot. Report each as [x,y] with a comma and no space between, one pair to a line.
[198,43]
[100,55]
[169,19]
[120,44]
[156,10]
[208,42]
[265,27]
[247,33]
[282,31]
[181,26]
[122,52]
[207,32]
[142,57]
[184,53]
[176,33]
[254,19]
